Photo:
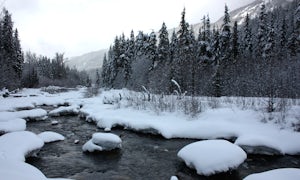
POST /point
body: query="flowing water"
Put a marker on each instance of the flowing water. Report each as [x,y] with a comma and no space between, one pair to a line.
[142,156]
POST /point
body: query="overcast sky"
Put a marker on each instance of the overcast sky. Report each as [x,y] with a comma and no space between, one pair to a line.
[80,26]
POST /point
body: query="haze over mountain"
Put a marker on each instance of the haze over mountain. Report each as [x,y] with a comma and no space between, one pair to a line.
[93,60]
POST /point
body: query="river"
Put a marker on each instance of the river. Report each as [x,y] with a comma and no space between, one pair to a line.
[143,156]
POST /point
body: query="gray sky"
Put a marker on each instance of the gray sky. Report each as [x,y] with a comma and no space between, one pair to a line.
[80,26]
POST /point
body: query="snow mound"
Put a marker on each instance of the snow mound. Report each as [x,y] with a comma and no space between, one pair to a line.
[13,125]
[19,170]
[276,174]
[18,145]
[49,136]
[64,111]
[103,142]
[212,156]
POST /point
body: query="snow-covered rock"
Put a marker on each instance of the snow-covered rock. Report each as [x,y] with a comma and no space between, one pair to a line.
[12,125]
[65,110]
[173,178]
[33,114]
[276,174]
[18,145]
[14,170]
[54,122]
[103,142]
[49,136]
[212,156]
[91,147]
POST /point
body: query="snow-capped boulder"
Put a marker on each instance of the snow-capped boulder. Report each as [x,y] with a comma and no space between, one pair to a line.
[103,142]
[49,136]
[212,156]
[65,111]
[276,174]
[18,145]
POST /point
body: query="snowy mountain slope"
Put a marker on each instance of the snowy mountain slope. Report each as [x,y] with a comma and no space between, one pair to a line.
[253,9]
[88,61]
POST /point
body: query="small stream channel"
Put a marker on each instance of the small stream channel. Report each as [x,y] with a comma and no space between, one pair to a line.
[142,156]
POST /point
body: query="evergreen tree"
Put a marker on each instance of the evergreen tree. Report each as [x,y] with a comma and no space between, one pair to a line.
[235,42]
[98,78]
[247,42]
[225,36]
[262,31]
[11,57]
[163,49]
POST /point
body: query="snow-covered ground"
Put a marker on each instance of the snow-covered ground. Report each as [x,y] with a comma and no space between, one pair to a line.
[245,119]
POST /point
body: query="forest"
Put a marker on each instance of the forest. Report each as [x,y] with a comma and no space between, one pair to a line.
[260,57]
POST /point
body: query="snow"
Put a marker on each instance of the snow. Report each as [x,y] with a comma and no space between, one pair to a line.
[276,174]
[12,125]
[18,145]
[102,142]
[69,110]
[14,170]
[212,156]
[49,136]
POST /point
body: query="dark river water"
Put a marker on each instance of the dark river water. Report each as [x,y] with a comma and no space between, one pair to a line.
[142,156]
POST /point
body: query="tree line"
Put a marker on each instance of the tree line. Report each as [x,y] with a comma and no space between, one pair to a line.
[18,70]
[260,57]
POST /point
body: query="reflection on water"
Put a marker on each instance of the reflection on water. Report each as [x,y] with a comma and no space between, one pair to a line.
[142,156]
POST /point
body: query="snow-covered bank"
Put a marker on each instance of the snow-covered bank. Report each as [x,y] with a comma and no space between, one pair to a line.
[226,121]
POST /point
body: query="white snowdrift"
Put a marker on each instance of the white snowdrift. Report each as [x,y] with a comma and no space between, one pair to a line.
[18,145]
[49,136]
[102,142]
[276,174]
[212,156]
[62,111]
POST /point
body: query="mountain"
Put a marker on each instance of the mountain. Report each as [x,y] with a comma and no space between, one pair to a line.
[88,61]
[94,59]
